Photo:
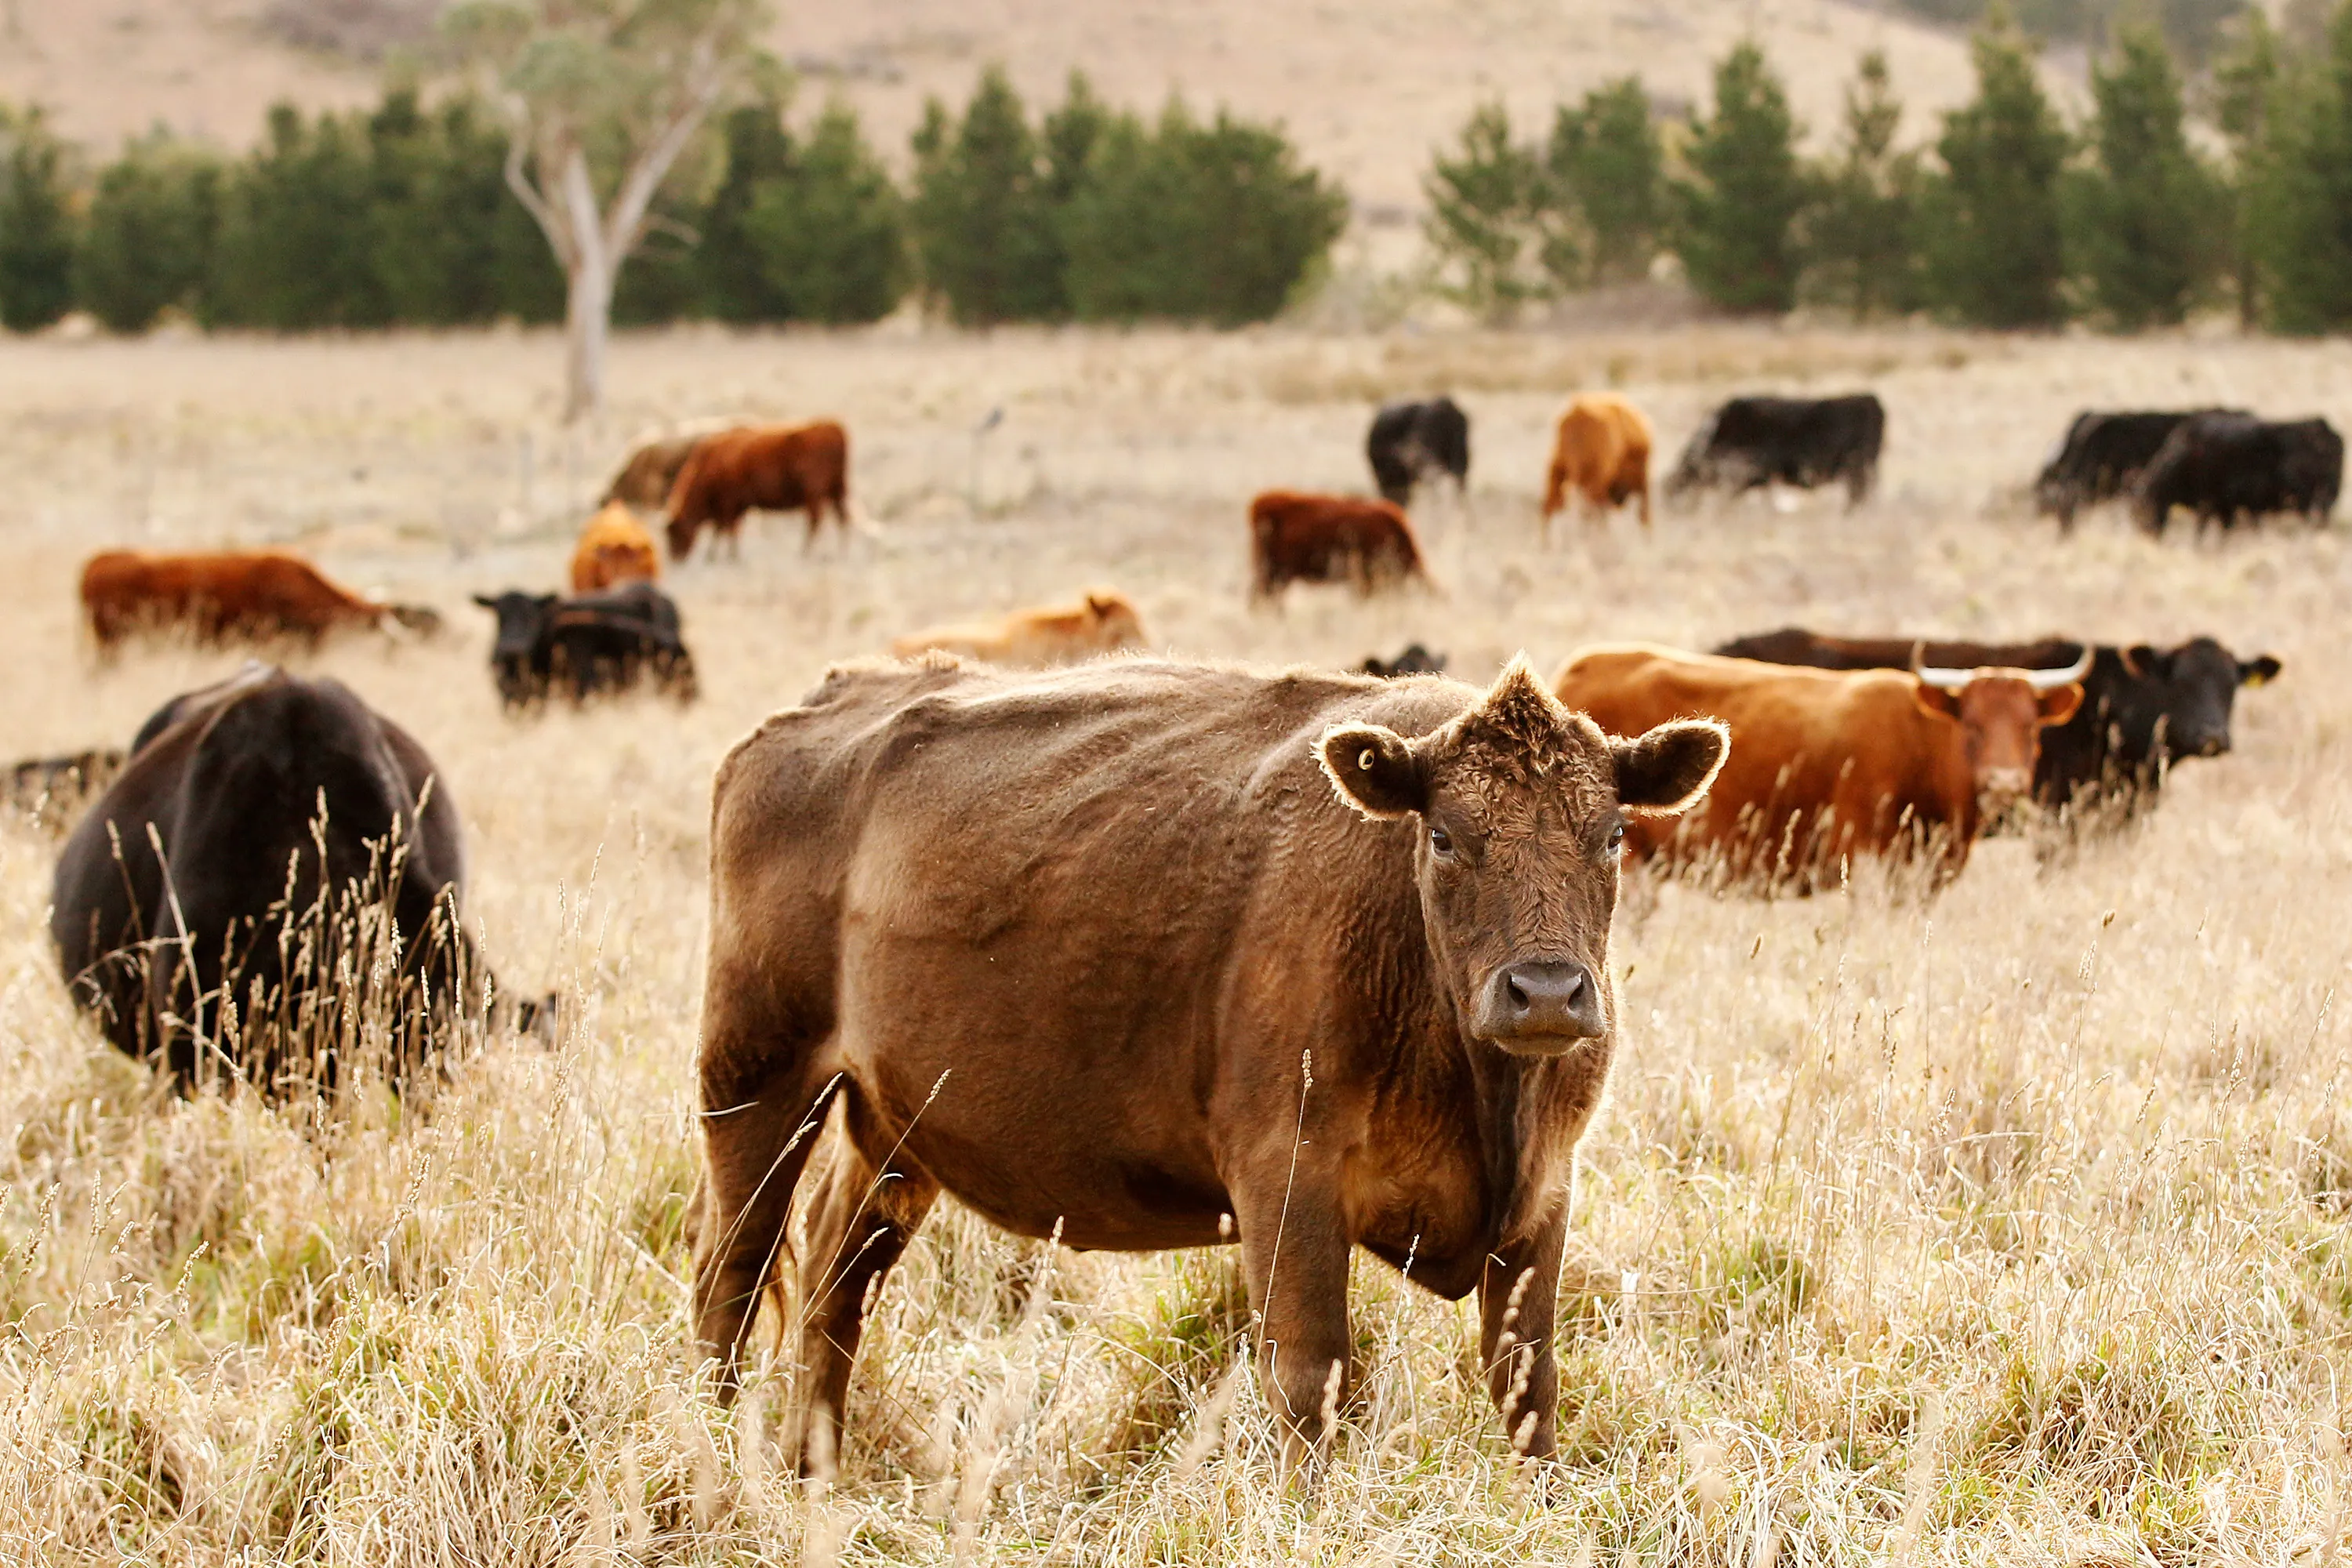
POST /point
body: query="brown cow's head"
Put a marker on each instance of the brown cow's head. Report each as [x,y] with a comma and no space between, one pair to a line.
[2001,714]
[1522,806]
[680,534]
[1115,622]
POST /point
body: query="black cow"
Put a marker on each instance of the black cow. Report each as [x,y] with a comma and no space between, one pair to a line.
[1410,441]
[50,789]
[1414,661]
[277,868]
[2225,467]
[1800,441]
[2102,456]
[574,647]
[2143,708]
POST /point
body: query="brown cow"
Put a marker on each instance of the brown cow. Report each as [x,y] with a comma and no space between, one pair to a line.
[645,480]
[1140,955]
[1296,537]
[1102,622]
[1602,451]
[227,595]
[613,549]
[769,468]
[1829,765]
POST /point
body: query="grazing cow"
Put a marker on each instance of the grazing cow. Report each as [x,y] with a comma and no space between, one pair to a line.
[228,596]
[1142,955]
[2102,456]
[50,790]
[1414,661]
[1825,764]
[1104,621]
[1300,538]
[613,549]
[646,480]
[1410,441]
[1800,441]
[2143,708]
[592,643]
[1601,450]
[2225,467]
[769,468]
[270,837]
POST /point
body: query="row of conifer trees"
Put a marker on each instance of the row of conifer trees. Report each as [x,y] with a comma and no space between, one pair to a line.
[2007,216]
[401,215]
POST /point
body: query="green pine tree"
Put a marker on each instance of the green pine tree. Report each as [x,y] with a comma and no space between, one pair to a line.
[147,241]
[1860,246]
[2302,217]
[984,226]
[2247,82]
[297,237]
[1605,175]
[1991,235]
[2143,236]
[1485,206]
[1738,213]
[829,228]
[733,263]
[37,227]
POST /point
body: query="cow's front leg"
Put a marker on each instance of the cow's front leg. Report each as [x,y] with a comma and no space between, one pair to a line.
[1295,1262]
[1518,1299]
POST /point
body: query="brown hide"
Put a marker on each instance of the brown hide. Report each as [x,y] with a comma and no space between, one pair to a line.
[614,548]
[1105,621]
[1071,946]
[1296,537]
[223,595]
[645,480]
[760,467]
[1825,764]
[1601,450]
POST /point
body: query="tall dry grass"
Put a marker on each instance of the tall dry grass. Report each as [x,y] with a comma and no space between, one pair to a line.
[2002,1226]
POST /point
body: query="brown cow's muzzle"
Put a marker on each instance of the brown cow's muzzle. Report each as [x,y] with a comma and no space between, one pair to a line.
[1540,1007]
[1998,789]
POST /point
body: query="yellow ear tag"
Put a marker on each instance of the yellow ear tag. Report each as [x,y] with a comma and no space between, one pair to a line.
[1365,762]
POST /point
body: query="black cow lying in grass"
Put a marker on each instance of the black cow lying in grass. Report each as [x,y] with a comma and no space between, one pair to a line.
[275,874]
[608,641]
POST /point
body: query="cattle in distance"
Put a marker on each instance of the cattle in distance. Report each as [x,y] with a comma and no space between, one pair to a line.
[2226,469]
[2144,708]
[613,549]
[1827,765]
[1414,661]
[254,595]
[1104,620]
[270,837]
[1410,443]
[548,646]
[1142,955]
[1297,537]
[2102,456]
[52,790]
[645,478]
[1601,450]
[1750,442]
[760,468]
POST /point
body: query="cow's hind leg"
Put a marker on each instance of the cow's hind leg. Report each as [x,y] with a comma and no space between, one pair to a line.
[859,1223]
[753,1151]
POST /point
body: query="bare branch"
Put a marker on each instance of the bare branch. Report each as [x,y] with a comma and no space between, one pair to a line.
[701,94]
[533,201]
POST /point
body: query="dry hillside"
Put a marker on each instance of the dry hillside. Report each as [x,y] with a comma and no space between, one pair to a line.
[1366,87]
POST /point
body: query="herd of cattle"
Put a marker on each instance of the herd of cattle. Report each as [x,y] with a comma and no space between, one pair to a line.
[1185,894]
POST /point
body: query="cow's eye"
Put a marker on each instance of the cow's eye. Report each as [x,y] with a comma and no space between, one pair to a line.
[1616,838]
[1440,844]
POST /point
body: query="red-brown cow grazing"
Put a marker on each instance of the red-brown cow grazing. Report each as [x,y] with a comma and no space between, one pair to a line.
[1146,955]
[1601,450]
[1828,764]
[763,468]
[1105,621]
[613,549]
[228,596]
[1296,537]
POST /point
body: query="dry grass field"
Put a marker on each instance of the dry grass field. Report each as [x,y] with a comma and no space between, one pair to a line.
[2002,1227]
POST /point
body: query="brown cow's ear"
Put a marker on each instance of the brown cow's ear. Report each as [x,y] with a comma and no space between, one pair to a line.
[1939,700]
[1374,770]
[2058,704]
[2255,672]
[1666,771]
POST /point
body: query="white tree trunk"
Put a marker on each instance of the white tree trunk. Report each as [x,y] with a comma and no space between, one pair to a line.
[588,302]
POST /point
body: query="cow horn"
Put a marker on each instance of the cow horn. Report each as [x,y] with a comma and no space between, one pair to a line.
[2049,679]
[1948,679]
